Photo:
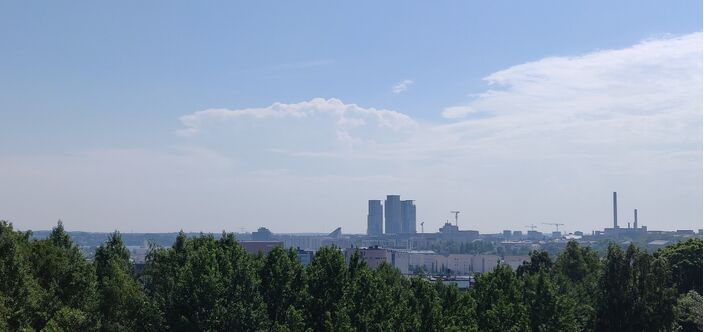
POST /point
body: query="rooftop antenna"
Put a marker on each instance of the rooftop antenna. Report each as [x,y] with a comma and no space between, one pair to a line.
[421,227]
[557,226]
[455,213]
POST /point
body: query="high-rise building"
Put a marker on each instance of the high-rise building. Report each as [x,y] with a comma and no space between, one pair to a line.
[408,217]
[393,214]
[375,218]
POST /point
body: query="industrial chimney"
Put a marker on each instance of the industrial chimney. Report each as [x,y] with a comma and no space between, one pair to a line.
[615,211]
[635,218]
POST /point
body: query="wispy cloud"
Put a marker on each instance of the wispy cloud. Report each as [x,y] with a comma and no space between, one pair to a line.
[401,86]
[647,96]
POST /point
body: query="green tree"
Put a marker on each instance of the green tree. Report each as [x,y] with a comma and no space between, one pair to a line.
[499,301]
[327,280]
[68,280]
[577,263]
[425,305]
[688,312]
[539,262]
[633,292]
[685,263]
[547,308]
[123,304]
[394,297]
[577,270]
[458,309]
[70,319]
[204,284]
[244,304]
[371,307]
[282,284]
[20,294]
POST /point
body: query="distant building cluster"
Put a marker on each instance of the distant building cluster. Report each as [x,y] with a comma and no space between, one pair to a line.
[394,217]
[411,261]
[456,255]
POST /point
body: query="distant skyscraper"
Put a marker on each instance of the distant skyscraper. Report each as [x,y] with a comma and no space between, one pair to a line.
[375,218]
[393,214]
[408,216]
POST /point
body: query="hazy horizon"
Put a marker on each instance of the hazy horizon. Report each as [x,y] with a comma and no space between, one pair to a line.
[155,117]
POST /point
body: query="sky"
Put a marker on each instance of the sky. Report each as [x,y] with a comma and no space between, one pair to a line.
[166,115]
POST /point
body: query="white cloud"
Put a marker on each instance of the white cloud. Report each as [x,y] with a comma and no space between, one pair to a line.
[341,115]
[647,96]
[455,112]
[401,86]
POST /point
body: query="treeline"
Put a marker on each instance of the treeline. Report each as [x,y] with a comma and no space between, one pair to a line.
[208,284]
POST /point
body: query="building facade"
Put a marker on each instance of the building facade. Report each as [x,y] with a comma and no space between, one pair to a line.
[408,217]
[375,218]
[393,214]
[373,256]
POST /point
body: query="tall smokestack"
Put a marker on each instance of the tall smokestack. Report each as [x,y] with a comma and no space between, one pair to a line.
[635,218]
[615,211]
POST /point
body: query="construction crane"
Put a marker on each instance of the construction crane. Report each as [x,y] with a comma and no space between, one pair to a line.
[421,226]
[532,227]
[557,226]
[455,213]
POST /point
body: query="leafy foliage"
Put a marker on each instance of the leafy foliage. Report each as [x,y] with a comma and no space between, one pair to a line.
[685,263]
[206,284]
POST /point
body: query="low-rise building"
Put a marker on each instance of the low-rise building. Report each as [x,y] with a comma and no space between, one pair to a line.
[373,257]
[515,261]
[255,247]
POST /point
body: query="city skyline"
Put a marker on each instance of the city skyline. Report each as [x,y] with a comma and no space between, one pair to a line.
[165,116]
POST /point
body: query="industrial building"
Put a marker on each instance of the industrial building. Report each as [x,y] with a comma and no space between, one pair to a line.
[617,231]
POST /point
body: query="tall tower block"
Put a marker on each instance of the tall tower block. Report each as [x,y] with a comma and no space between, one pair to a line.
[375,218]
[393,214]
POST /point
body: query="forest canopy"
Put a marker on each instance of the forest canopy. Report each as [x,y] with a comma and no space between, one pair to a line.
[207,284]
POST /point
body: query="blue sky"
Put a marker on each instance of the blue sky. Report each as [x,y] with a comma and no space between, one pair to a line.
[93,95]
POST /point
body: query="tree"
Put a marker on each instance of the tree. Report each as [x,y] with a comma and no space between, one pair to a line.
[688,312]
[458,308]
[499,301]
[20,294]
[327,280]
[123,304]
[539,262]
[685,263]
[425,305]
[68,280]
[633,292]
[244,304]
[578,264]
[370,303]
[204,284]
[282,286]
[577,270]
[394,297]
[547,308]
